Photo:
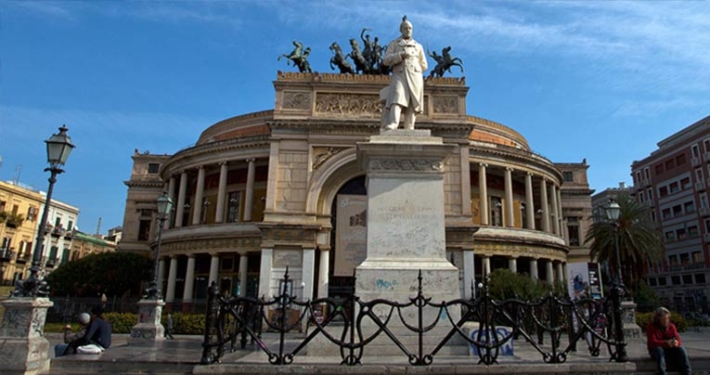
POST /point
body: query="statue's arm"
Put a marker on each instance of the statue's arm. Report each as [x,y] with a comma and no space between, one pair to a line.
[422,59]
[392,55]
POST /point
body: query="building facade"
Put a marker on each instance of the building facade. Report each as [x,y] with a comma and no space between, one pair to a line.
[21,208]
[260,193]
[674,181]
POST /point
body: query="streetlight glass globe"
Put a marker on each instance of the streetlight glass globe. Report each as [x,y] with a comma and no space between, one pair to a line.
[612,211]
[59,147]
[165,204]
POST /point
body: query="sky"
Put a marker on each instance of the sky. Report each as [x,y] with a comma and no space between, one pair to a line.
[597,80]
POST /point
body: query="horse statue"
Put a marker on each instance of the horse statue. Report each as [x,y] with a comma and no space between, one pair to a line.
[299,57]
[444,62]
[368,51]
[339,60]
[359,60]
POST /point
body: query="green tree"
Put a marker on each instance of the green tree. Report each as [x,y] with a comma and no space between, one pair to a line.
[640,241]
[113,274]
[504,284]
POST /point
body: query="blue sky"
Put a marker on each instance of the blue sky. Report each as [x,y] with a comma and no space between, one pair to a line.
[601,80]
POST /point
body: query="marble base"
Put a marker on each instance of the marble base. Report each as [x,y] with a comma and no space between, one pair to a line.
[149,329]
[22,344]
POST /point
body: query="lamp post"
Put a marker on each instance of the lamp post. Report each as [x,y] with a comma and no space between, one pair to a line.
[59,147]
[613,210]
[165,205]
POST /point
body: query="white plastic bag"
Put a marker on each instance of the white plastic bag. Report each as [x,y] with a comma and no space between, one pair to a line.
[89,349]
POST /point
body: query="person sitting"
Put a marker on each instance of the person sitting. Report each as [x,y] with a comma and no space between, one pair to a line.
[73,340]
[99,330]
[663,342]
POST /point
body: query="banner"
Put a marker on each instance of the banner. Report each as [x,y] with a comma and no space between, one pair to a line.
[350,233]
[578,276]
[595,281]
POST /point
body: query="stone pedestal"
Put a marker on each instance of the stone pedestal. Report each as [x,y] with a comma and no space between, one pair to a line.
[149,329]
[632,331]
[24,349]
[406,229]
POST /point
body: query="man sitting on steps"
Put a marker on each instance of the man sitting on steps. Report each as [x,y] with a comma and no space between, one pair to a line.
[663,343]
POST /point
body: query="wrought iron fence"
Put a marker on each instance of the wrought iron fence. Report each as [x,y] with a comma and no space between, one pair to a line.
[352,324]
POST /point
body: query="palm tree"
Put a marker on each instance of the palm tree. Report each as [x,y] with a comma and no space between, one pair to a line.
[640,241]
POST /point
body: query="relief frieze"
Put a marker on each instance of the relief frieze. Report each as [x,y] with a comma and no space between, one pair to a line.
[361,105]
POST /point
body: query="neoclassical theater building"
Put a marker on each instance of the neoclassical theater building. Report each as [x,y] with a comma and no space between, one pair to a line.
[265,191]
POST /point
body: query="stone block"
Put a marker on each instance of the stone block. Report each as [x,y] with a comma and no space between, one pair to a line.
[25,350]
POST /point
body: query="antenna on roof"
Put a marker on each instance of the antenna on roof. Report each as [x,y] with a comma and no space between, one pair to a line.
[98,227]
[18,172]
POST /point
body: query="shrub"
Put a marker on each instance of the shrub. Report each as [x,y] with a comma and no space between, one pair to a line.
[121,322]
[186,324]
[643,320]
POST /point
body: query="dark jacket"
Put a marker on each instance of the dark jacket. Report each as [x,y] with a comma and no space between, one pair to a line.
[99,332]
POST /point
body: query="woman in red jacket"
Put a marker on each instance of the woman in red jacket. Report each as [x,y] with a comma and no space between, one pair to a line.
[664,343]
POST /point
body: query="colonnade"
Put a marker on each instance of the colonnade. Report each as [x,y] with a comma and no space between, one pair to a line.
[549,204]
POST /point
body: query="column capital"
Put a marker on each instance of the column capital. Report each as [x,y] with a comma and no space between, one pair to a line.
[190,256]
[509,169]
[529,174]
[513,257]
[250,160]
[484,165]
[214,254]
[200,167]
[222,163]
[182,172]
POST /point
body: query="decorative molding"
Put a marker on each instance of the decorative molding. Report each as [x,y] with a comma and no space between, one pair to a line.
[321,154]
[391,164]
[363,105]
[298,100]
[446,104]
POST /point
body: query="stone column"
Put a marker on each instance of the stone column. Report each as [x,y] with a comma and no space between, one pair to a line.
[555,211]
[559,208]
[25,350]
[267,256]
[509,212]
[171,194]
[560,274]
[161,273]
[172,275]
[249,194]
[469,273]
[513,264]
[189,279]
[323,273]
[180,204]
[545,207]
[148,327]
[533,269]
[486,265]
[529,202]
[548,272]
[199,191]
[221,193]
[308,271]
[214,268]
[243,263]
[564,271]
[483,193]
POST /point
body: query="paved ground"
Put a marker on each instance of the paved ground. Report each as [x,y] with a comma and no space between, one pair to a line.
[182,356]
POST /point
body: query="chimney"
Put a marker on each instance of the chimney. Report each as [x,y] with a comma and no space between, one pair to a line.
[622,185]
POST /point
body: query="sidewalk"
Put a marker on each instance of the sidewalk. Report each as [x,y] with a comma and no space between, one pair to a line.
[182,356]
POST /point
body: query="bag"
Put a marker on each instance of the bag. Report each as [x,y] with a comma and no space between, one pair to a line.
[90,349]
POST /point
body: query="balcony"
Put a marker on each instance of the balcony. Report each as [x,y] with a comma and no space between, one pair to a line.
[7,254]
[695,162]
[700,185]
[704,211]
[646,182]
[706,237]
[706,156]
[24,258]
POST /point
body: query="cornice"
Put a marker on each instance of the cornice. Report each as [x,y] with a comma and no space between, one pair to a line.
[513,154]
[215,147]
[144,183]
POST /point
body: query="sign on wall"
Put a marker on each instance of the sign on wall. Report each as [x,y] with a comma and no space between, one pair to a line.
[584,280]
[350,233]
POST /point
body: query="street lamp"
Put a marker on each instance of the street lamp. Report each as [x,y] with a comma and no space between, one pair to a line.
[613,210]
[165,205]
[59,147]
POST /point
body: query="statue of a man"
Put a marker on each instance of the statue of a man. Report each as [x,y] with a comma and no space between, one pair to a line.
[406,89]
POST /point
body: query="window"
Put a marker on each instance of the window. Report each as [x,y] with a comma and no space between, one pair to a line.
[673,260]
[685,259]
[649,195]
[659,169]
[700,278]
[496,211]
[638,178]
[153,168]
[680,159]
[641,197]
[680,234]
[695,150]
[670,236]
[653,216]
[707,225]
[673,187]
[666,213]
[663,191]
[15,208]
[689,207]
[697,257]
[52,253]
[698,175]
[568,176]
[675,280]
[573,231]
[652,281]
[144,230]
[693,231]
[32,213]
[647,173]
[670,164]
[6,243]
[70,225]
[58,222]
[685,183]
[687,279]
[677,210]
[662,281]
[233,208]
[703,200]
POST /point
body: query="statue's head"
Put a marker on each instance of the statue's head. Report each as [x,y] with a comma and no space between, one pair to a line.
[405,28]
